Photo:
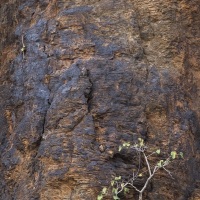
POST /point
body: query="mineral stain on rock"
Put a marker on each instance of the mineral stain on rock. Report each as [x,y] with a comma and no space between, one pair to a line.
[97,73]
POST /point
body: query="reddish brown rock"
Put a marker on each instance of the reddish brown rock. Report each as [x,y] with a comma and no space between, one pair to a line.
[96,73]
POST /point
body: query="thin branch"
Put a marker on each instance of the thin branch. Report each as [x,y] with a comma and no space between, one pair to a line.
[23,47]
[23,41]
[150,154]
[148,165]
[168,172]
[139,155]
[135,187]
[150,177]
[140,149]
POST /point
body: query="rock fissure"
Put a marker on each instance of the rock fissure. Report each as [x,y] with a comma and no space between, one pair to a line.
[90,92]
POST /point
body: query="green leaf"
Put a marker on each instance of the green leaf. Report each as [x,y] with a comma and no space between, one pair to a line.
[112,183]
[173,154]
[126,144]
[120,148]
[118,178]
[141,142]
[140,175]
[114,190]
[126,190]
[166,162]
[158,151]
[104,190]
[160,163]
[181,154]
[22,49]
[100,197]
[115,197]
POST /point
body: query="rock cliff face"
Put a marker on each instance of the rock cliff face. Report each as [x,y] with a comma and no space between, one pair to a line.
[96,73]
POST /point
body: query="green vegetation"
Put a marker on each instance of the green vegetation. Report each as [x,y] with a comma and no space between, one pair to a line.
[118,185]
[23,49]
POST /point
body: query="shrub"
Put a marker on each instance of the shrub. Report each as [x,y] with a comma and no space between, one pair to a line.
[118,185]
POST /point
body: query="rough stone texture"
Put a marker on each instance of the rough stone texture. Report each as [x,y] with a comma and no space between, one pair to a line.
[97,73]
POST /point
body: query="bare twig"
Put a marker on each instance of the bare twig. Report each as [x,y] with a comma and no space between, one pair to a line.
[147,162]
[23,49]
[168,172]
[141,151]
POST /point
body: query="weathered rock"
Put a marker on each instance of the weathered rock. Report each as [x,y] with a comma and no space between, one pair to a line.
[96,73]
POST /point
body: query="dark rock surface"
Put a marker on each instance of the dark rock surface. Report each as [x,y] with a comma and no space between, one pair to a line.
[96,73]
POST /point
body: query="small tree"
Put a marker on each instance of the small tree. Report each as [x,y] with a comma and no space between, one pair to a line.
[118,185]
